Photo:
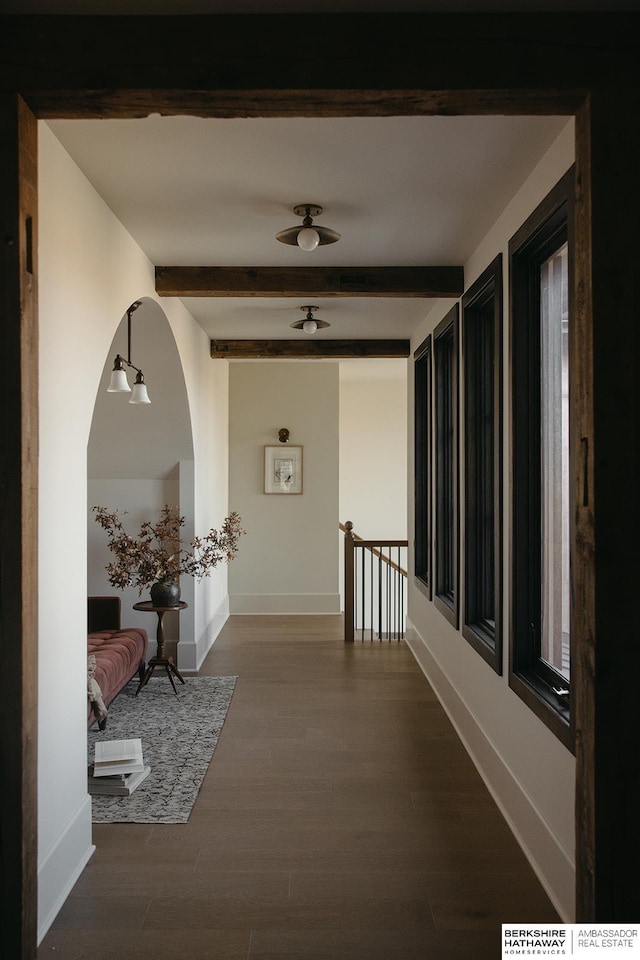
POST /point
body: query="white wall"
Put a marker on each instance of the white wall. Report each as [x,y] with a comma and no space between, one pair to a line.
[90,271]
[530,773]
[207,479]
[373,447]
[288,561]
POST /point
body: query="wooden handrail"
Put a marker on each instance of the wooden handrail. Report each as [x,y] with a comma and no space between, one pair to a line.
[373,544]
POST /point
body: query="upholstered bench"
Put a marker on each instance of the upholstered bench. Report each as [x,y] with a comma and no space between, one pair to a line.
[120,653]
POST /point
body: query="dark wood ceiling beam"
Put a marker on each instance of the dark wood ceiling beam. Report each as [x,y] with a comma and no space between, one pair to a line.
[307,349]
[136,104]
[309,281]
[377,64]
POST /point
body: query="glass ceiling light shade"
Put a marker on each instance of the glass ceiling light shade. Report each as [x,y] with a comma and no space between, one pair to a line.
[308,235]
[308,239]
[118,382]
[310,323]
[139,393]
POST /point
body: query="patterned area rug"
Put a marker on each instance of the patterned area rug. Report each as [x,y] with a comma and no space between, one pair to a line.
[179,735]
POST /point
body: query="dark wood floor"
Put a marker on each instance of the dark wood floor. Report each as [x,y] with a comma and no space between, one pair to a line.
[340,818]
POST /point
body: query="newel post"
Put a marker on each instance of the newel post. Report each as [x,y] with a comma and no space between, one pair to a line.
[349,584]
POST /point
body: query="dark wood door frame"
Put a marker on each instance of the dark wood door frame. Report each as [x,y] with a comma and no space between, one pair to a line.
[371,65]
[18,523]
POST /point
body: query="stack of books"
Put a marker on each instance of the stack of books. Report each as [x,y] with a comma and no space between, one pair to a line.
[118,768]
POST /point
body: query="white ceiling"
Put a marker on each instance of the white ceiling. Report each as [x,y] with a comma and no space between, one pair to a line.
[402,191]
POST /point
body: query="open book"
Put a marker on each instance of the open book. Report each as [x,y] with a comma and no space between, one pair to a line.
[117,757]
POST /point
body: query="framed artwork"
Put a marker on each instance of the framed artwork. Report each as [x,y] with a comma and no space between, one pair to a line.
[283,469]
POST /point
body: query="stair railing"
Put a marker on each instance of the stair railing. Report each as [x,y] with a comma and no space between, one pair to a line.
[375,587]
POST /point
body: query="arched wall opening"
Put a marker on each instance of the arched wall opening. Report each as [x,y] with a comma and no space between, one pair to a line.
[139,456]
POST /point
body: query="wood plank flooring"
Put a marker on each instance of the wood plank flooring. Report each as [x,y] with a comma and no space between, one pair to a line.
[340,818]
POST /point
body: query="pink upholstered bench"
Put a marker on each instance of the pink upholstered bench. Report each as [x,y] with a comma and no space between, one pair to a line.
[120,652]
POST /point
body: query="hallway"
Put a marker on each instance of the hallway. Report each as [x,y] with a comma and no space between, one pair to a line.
[340,818]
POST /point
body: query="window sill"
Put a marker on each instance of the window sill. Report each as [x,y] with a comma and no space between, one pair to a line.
[423,586]
[552,710]
[485,644]
[448,609]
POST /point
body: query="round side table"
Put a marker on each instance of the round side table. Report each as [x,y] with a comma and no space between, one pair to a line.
[165,663]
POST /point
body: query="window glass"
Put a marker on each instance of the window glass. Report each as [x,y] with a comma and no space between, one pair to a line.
[554,458]
[422,382]
[482,376]
[445,343]
[445,465]
[541,371]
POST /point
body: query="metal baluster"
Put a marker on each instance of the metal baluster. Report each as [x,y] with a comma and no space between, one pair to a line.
[398,586]
[370,595]
[362,599]
[401,624]
[392,599]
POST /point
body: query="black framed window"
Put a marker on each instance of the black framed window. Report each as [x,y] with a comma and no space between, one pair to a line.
[422,462]
[541,282]
[445,347]
[482,375]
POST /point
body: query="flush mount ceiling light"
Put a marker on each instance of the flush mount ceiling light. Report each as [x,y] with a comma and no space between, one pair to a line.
[308,236]
[119,382]
[310,323]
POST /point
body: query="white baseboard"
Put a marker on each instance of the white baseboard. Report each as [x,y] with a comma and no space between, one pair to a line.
[269,603]
[552,864]
[192,653]
[62,866]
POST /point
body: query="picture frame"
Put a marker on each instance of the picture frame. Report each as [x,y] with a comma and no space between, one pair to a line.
[282,469]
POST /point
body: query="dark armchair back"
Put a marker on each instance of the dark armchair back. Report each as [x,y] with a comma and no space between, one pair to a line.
[103,613]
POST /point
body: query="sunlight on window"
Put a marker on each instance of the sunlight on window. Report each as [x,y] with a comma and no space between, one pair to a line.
[554,440]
